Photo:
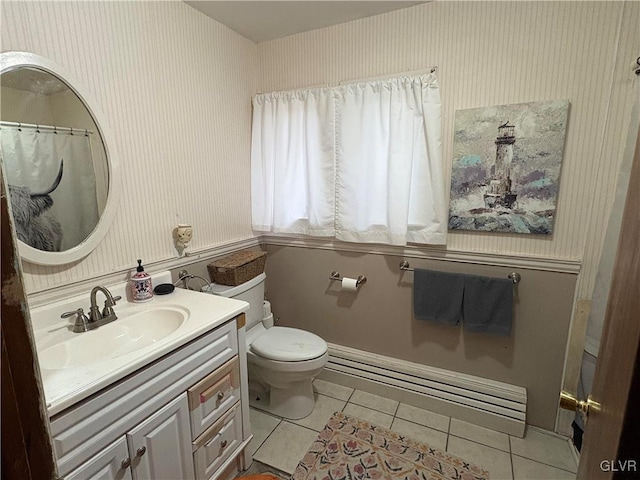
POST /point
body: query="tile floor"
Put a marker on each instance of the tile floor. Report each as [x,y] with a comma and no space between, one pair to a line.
[541,455]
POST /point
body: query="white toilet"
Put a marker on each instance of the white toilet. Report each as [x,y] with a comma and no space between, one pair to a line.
[282,361]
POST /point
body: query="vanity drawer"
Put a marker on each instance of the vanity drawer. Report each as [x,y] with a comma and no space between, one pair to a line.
[218,443]
[211,397]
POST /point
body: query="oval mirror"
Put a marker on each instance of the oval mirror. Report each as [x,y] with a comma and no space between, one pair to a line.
[58,159]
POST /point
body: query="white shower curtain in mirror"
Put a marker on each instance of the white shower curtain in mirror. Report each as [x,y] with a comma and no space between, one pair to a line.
[32,159]
[389,179]
[292,162]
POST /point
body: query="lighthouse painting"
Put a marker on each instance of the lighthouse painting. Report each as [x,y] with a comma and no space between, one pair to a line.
[506,167]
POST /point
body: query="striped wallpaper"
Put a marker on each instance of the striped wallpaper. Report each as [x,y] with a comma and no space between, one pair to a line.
[175,87]
[493,53]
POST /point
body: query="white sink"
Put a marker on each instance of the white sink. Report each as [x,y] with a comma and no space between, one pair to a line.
[74,366]
[129,333]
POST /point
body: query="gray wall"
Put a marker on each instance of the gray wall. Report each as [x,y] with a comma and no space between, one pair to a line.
[379,318]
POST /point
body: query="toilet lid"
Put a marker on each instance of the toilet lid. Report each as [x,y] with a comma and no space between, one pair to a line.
[288,345]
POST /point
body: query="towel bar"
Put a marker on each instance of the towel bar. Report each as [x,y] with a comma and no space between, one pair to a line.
[514,276]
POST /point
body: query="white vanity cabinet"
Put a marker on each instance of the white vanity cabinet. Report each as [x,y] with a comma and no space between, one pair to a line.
[157,448]
[189,407]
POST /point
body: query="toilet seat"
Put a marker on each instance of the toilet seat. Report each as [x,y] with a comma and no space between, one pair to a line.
[288,345]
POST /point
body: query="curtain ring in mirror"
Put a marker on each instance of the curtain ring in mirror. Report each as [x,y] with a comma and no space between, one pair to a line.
[70,130]
[86,132]
[37,128]
[19,127]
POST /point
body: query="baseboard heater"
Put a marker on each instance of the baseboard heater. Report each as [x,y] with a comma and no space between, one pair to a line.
[477,400]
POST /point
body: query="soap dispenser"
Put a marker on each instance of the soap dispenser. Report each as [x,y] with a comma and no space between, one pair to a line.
[141,288]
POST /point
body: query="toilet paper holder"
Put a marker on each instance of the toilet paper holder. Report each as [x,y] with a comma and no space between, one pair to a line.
[359,281]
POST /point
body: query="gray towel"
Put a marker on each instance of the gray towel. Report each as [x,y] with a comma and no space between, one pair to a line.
[437,296]
[488,305]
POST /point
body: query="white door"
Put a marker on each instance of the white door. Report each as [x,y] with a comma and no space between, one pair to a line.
[160,446]
[112,463]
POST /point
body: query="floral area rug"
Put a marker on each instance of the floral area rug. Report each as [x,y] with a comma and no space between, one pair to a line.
[351,449]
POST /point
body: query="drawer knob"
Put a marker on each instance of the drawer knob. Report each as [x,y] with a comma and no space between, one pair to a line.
[125,463]
[204,397]
[223,444]
[141,451]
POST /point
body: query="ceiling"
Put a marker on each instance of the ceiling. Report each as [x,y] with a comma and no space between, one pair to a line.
[266,20]
[33,80]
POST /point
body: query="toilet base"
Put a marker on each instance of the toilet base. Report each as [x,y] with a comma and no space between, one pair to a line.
[292,403]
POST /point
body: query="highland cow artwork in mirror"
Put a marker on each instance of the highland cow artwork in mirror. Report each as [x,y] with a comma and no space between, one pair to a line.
[54,159]
[59,161]
[506,167]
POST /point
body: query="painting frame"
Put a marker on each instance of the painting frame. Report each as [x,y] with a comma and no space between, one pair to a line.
[506,167]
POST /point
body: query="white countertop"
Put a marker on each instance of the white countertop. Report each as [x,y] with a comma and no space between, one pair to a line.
[63,387]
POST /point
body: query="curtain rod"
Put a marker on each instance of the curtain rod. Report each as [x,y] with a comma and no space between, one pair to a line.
[391,75]
[52,128]
[366,79]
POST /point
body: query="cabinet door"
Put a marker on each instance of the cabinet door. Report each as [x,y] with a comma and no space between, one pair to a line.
[160,446]
[112,463]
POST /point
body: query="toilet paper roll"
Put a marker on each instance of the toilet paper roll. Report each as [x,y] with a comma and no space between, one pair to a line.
[266,309]
[349,284]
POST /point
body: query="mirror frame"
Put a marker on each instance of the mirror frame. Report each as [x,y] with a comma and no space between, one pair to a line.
[12,60]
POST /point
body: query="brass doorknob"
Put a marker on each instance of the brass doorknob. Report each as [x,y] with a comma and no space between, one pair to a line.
[570,402]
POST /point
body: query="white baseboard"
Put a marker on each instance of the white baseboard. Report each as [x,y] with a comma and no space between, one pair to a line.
[495,405]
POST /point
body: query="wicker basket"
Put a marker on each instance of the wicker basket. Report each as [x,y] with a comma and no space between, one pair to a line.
[237,268]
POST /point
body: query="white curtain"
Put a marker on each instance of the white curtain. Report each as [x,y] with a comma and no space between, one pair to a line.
[32,160]
[361,162]
[292,162]
[390,184]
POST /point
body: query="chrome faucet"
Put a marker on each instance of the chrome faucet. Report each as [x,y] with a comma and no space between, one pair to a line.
[107,311]
[96,318]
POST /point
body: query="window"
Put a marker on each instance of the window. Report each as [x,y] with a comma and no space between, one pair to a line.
[361,162]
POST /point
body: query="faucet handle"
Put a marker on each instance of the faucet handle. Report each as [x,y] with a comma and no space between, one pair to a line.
[110,302]
[79,311]
[82,322]
[108,311]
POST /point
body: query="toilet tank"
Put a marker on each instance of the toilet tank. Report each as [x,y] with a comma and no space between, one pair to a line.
[251,292]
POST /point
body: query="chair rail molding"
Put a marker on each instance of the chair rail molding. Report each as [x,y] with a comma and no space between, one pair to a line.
[561,265]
